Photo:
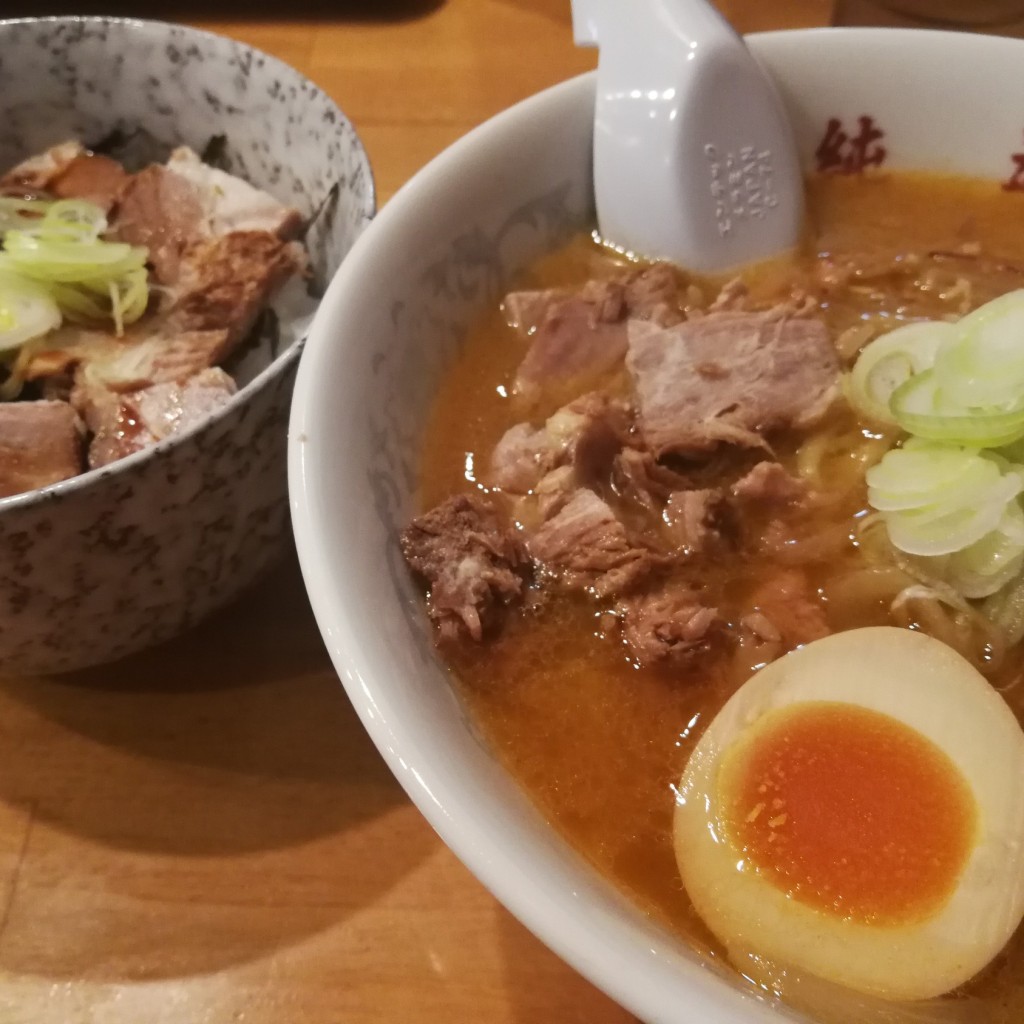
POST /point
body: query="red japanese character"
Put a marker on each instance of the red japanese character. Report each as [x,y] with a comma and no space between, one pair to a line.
[829,153]
[842,154]
[864,150]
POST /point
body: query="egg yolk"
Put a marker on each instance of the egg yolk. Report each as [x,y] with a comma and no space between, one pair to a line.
[848,810]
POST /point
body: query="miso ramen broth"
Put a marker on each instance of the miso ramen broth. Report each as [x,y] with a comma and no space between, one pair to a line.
[598,734]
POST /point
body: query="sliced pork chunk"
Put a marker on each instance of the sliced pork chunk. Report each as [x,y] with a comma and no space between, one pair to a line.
[37,172]
[162,211]
[40,444]
[128,422]
[578,338]
[586,434]
[792,607]
[587,548]
[158,358]
[177,207]
[648,294]
[733,297]
[653,294]
[225,282]
[769,485]
[695,519]
[638,477]
[231,204]
[141,358]
[573,348]
[472,561]
[552,493]
[522,457]
[670,623]
[94,178]
[729,377]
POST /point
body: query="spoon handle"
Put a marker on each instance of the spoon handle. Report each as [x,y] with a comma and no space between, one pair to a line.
[694,158]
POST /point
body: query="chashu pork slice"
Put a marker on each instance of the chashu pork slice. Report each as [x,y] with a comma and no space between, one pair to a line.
[68,171]
[226,282]
[40,444]
[173,207]
[231,204]
[218,247]
[126,422]
[729,377]
[37,173]
[144,356]
[163,212]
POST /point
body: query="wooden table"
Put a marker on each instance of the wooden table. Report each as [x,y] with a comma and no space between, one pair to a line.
[204,834]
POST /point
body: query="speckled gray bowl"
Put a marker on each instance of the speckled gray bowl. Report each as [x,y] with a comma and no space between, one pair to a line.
[126,556]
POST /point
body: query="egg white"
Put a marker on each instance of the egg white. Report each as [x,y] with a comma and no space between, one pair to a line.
[929,687]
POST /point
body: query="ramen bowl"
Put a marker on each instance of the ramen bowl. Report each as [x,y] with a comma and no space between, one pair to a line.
[445,249]
[130,554]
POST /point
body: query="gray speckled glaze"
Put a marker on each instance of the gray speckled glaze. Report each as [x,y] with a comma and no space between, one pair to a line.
[123,557]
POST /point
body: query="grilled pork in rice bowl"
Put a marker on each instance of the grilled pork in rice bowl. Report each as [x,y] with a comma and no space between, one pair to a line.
[126,296]
[172,205]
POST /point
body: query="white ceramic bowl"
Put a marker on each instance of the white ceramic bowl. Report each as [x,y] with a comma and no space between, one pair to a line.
[125,556]
[443,249]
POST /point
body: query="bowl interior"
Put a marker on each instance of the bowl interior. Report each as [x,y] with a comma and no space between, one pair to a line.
[445,247]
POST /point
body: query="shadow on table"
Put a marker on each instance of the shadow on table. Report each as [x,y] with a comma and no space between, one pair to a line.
[244,10]
[205,802]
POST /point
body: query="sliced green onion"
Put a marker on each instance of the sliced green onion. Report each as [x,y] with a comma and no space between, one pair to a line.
[891,360]
[922,472]
[27,311]
[937,499]
[921,407]
[71,220]
[69,262]
[61,220]
[59,245]
[21,213]
[132,295]
[1005,609]
[80,305]
[942,531]
[992,562]
[123,300]
[981,364]
[947,497]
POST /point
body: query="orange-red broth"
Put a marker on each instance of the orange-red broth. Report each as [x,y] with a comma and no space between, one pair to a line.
[597,741]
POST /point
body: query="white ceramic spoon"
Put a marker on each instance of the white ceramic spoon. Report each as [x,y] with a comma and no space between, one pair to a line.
[694,158]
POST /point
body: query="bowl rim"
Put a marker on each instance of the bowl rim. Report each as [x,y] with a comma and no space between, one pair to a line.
[558,925]
[280,364]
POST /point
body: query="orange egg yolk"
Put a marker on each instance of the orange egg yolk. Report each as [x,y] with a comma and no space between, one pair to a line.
[848,810]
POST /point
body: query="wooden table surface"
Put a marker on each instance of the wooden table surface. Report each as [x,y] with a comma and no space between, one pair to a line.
[204,834]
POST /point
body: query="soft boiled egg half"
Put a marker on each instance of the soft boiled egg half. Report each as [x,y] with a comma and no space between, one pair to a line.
[856,811]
